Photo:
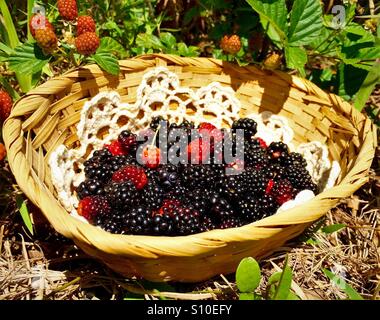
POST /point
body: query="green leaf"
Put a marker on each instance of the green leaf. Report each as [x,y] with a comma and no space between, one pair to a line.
[292,296]
[246,296]
[107,62]
[350,80]
[271,32]
[21,205]
[3,47]
[274,12]
[369,84]
[343,285]
[296,58]
[9,25]
[305,22]
[110,45]
[333,228]
[28,59]
[168,39]
[285,281]
[149,41]
[248,275]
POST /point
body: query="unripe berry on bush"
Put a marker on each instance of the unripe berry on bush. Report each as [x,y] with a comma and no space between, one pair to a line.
[231,44]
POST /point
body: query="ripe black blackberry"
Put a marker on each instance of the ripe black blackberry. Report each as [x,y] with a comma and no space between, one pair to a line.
[138,221]
[113,223]
[268,205]
[163,225]
[250,209]
[233,186]
[158,121]
[254,156]
[101,156]
[294,159]
[186,125]
[256,181]
[231,222]
[277,151]
[273,170]
[200,200]
[122,195]
[119,162]
[206,224]
[248,125]
[220,208]
[90,187]
[300,178]
[152,195]
[195,176]
[168,176]
[187,221]
[128,141]
[98,170]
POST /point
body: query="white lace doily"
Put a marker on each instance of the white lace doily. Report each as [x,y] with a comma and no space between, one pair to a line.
[160,93]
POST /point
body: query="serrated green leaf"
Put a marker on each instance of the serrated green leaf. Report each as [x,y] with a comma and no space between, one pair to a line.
[274,12]
[271,32]
[168,39]
[333,228]
[248,275]
[305,22]
[369,84]
[107,62]
[28,59]
[343,285]
[246,296]
[110,45]
[296,58]
[21,205]
[149,41]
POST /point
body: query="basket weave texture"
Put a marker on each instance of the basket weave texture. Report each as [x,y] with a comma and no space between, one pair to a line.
[47,117]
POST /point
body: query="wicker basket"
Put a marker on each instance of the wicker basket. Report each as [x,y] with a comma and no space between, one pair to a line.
[47,116]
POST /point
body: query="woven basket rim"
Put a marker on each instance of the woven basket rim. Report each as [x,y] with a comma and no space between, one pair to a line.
[74,228]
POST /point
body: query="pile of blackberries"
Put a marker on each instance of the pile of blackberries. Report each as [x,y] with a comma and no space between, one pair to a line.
[130,188]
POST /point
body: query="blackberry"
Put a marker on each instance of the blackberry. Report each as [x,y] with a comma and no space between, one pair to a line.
[277,151]
[113,223]
[90,187]
[200,200]
[195,176]
[294,159]
[170,207]
[248,125]
[230,222]
[101,155]
[163,225]
[254,156]
[186,222]
[178,193]
[206,224]
[256,181]
[152,175]
[139,221]
[273,170]
[122,195]
[156,121]
[152,195]
[128,141]
[98,170]
[234,186]
[250,209]
[119,162]
[282,191]
[220,208]
[94,206]
[168,176]
[268,205]
[300,178]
